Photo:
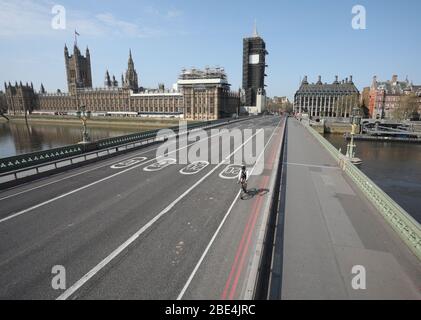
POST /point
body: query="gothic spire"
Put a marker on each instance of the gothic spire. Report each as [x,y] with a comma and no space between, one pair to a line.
[255,33]
[130,63]
[131,80]
[107,81]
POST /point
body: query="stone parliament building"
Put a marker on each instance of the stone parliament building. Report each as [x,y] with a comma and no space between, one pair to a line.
[198,95]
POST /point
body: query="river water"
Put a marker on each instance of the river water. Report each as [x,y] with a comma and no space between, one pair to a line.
[17,138]
[393,166]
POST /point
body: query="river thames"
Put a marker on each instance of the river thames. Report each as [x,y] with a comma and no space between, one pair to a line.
[17,138]
[395,167]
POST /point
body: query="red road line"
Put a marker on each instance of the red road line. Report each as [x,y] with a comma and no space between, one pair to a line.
[247,231]
[272,160]
[246,248]
[238,252]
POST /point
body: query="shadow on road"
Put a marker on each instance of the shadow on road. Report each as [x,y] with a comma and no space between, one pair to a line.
[251,193]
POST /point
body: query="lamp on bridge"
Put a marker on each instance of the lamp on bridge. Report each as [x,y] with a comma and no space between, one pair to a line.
[350,149]
[84,116]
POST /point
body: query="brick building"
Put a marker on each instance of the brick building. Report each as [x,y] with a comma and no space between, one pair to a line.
[385,96]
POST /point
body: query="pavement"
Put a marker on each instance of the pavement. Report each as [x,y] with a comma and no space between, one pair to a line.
[329,236]
[132,227]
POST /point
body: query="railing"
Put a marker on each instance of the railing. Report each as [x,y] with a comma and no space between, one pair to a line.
[400,220]
[35,158]
[16,168]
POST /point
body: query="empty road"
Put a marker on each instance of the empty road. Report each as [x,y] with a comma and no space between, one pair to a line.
[137,227]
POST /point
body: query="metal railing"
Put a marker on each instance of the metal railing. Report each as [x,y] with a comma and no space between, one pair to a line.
[35,158]
[33,164]
[401,221]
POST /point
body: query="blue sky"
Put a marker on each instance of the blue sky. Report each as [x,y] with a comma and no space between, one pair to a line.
[303,37]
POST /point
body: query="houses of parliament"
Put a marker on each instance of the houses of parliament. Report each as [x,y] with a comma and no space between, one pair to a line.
[199,94]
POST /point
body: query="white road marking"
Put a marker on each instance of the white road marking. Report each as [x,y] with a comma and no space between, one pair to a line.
[90,184]
[230,172]
[66,294]
[196,268]
[128,163]
[83,172]
[159,165]
[194,167]
[73,175]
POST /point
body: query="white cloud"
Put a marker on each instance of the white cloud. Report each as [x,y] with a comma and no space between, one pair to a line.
[170,14]
[174,13]
[26,18]
[121,27]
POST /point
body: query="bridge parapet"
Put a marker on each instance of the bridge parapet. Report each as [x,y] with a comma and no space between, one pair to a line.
[407,227]
[26,167]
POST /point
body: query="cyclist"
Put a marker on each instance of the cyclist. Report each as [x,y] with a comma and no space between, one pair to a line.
[243,176]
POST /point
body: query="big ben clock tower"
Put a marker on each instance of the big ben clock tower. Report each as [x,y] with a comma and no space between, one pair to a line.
[254,64]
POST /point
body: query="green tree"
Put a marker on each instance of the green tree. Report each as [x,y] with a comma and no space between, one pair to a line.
[3,106]
[287,107]
[408,106]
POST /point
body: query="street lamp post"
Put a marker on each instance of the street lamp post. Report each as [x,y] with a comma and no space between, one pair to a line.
[350,149]
[84,115]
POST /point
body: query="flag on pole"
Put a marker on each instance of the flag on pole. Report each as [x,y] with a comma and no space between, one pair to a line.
[76,34]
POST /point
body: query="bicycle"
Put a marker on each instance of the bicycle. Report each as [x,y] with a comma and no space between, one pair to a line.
[244,190]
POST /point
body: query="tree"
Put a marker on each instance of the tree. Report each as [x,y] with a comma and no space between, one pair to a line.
[275,105]
[287,107]
[407,107]
[3,106]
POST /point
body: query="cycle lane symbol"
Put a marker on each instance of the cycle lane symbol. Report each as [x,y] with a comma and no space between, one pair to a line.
[194,167]
[128,163]
[159,165]
[230,172]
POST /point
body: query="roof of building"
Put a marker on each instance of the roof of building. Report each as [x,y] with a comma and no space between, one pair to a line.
[344,87]
[395,87]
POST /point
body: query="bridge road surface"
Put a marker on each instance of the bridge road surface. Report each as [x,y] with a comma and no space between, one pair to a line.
[126,233]
[329,227]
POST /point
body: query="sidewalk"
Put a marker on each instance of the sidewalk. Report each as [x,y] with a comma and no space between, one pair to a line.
[330,227]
